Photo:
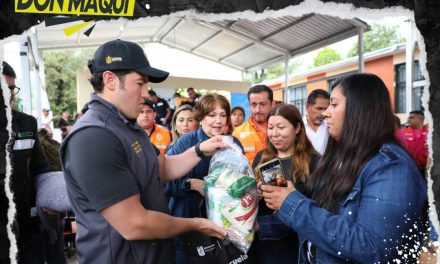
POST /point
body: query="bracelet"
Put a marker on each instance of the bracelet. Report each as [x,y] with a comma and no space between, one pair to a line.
[198,151]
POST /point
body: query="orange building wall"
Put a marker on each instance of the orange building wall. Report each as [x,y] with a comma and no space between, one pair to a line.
[383,68]
[278,95]
[276,85]
[316,85]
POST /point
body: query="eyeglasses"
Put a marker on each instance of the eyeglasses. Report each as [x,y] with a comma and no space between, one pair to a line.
[14,89]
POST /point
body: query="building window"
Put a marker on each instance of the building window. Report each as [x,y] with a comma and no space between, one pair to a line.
[335,78]
[400,71]
[297,96]
[417,98]
[331,82]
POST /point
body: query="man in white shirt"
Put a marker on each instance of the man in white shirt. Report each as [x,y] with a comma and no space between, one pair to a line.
[46,121]
[316,127]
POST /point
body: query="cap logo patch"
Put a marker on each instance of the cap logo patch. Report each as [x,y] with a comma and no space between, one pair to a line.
[110,59]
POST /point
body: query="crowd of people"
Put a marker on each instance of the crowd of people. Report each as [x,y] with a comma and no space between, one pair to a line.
[134,171]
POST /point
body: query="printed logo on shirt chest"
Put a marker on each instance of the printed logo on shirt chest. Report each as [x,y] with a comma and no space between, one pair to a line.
[158,136]
[159,104]
[25,134]
[136,147]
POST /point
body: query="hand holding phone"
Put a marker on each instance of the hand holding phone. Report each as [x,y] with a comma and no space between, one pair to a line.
[272,173]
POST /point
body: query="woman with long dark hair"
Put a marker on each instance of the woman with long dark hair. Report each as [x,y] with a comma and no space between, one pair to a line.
[287,141]
[365,202]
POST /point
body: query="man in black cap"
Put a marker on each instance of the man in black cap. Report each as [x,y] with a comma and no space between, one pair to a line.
[112,173]
[28,161]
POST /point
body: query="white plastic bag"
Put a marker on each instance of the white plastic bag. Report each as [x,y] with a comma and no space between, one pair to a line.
[231,194]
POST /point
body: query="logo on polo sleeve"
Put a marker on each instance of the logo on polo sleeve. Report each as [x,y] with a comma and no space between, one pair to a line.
[136,147]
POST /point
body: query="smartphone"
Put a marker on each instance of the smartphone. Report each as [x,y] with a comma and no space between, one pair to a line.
[272,173]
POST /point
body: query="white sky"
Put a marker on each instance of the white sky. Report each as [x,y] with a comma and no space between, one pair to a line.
[183,64]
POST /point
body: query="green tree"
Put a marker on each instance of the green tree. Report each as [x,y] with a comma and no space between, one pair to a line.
[61,67]
[272,72]
[326,56]
[380,36]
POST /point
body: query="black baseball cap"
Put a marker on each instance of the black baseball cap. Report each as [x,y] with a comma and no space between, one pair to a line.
[124,55]
[150,104]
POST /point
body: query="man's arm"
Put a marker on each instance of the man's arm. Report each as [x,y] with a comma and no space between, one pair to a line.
[174,167]
[109,185]
[133,222]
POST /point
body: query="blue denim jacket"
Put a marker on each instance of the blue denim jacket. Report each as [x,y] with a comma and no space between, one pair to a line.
[378,221]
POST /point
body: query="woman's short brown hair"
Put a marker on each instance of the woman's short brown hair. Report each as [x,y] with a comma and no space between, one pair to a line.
[208,103]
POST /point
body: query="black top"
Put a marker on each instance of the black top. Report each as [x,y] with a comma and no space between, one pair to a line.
[63,123]
[106,159]
[110,172]
[161,110]
[27,161]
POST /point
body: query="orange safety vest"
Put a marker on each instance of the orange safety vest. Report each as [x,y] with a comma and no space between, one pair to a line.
[250,138]
[160,137]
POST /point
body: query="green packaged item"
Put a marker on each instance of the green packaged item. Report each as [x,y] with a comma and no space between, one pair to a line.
[241,186]
[213,176]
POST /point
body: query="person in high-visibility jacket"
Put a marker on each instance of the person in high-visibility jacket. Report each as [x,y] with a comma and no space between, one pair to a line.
[159,136]
[252,134]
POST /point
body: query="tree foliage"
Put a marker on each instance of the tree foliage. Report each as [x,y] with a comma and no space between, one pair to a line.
[380,36]
[272,72]
[61,67]
[326,56]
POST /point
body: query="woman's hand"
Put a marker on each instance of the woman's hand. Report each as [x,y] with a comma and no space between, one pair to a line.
[197,185]
[274,196]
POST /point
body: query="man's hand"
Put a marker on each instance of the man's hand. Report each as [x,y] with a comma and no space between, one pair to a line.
[210,146]
[208,228]
[274,196]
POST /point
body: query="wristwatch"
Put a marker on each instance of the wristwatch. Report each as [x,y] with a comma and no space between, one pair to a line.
[199,151]
[187,184]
